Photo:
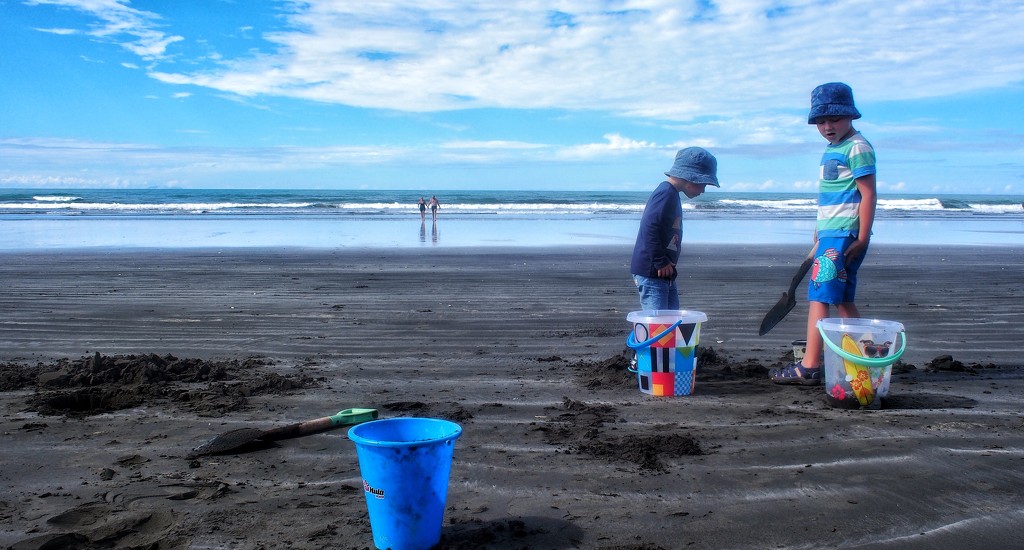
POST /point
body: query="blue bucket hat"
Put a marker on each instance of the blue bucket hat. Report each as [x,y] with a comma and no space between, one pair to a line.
[832,99]
[695,165]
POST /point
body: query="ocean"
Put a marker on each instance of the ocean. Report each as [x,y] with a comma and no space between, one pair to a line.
[55,219]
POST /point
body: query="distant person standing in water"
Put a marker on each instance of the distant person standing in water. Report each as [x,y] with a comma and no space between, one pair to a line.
[423,209]
[434,205]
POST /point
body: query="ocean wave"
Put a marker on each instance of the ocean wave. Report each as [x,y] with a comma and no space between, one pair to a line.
[773,204]
[526,208]
[144,207]
[998,208]
[472,204]
[910,204]
[55,198]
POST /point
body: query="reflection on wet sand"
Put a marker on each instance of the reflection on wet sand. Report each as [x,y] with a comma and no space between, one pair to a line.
[423,232]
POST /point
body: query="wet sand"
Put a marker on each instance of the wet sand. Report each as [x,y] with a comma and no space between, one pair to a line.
[115,364]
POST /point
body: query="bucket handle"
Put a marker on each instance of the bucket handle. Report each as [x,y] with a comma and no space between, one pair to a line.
[866,361]
[631,339]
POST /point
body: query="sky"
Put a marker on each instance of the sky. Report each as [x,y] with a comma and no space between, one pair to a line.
[552,94]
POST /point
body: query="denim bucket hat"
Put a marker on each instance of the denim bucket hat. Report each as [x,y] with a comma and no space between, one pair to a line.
[695,165]
[832,99]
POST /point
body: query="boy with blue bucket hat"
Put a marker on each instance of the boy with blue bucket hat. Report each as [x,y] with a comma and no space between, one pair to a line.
[846,212]
[658,240]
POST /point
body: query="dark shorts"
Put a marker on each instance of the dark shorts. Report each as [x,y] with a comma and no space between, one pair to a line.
[833,281]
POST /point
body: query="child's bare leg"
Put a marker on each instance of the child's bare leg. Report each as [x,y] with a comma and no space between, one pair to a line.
[808,371]
[815,312]
[848,310]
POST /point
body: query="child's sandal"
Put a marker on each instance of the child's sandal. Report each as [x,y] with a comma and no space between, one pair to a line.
[796,373]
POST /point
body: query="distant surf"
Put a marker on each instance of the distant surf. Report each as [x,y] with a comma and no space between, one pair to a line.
[462,203]
[49,219]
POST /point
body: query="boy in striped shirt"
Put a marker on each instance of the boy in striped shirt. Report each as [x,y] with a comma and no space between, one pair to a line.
[846,212]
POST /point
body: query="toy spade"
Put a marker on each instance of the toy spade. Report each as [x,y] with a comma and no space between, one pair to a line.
[788,300]
[243,439]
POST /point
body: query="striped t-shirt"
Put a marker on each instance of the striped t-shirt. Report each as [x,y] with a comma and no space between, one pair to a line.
[838,197]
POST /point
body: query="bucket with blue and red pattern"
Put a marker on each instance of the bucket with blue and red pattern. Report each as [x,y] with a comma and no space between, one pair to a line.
[665,342]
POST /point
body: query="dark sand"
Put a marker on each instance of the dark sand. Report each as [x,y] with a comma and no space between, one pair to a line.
[525,350]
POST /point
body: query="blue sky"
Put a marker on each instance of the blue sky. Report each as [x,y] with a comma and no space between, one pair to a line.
[447,94]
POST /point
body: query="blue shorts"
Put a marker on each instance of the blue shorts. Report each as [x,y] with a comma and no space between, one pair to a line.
[833,281]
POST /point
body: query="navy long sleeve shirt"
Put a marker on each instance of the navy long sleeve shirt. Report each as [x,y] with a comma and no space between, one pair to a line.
[660,234]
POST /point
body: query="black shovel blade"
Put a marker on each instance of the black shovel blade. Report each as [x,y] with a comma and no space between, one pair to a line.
[788,301]
[777,313]
[228,442]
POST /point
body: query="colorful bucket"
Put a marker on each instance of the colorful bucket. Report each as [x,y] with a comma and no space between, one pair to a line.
[859,354]
[665,341]
[405,464]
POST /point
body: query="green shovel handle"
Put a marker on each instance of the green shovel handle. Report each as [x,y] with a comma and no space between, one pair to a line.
[346,417]
[353,416]
[876,362]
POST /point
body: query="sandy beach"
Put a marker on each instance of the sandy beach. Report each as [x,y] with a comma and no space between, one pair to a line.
[115,364]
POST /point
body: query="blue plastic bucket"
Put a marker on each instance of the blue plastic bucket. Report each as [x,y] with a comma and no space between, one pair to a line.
[859,354]
[405,464]
[665,341]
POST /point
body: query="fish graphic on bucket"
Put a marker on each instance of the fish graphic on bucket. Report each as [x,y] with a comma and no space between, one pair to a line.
[859,354]
[665,341]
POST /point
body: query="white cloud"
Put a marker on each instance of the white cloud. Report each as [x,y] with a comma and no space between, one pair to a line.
[614,144]
[56,182]
[63,144]
[661,59]
[135,30]
[141,160]
[652,59]
[150,45]
[730,75]
[805,186]
[764,186]
[894,187]
[64,32]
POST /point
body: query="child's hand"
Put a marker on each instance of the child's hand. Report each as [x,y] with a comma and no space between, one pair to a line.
[666,271]
[856,249]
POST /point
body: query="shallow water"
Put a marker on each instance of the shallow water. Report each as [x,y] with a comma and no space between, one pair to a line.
[72,232]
